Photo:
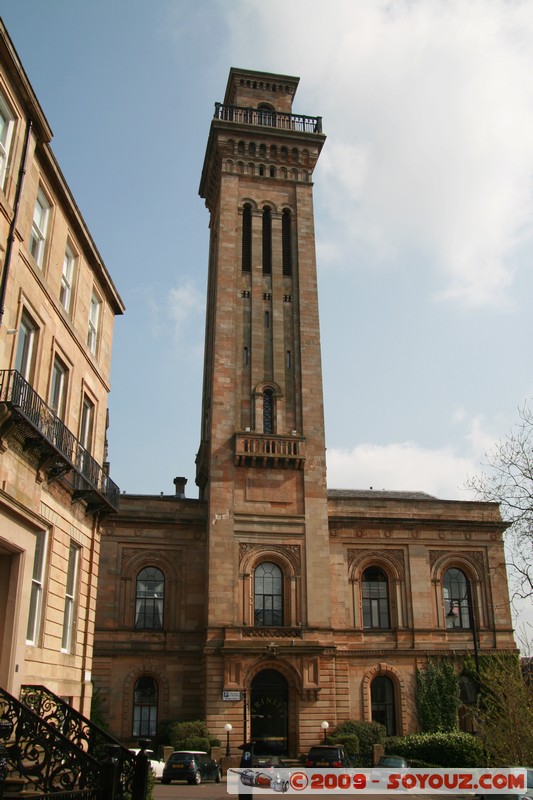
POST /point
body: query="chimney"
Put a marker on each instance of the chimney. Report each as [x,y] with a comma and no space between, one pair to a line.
[179,483]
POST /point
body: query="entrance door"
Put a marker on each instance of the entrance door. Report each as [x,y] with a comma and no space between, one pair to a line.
[269,712]
[7,614]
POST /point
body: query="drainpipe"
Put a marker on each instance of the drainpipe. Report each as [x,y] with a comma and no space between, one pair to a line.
[86,658]
[12,227]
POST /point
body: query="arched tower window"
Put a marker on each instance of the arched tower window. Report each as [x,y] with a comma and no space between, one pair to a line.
[247,238]
[149,597]
[267,241]
[286,242]
[268,595]
[268,411]
[145,697]
[383,708]
[375,599]
[457,599]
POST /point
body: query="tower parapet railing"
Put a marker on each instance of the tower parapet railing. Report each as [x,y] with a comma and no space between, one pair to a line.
[269,118]
[259,450]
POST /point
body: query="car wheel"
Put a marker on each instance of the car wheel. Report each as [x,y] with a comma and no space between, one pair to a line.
[165,780]
[197,777]
[218,777]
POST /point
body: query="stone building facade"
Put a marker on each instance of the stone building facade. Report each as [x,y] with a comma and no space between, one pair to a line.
[272,603]
[57,310]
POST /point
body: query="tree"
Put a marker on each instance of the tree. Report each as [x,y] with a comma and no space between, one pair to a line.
[505,711]
[509,481]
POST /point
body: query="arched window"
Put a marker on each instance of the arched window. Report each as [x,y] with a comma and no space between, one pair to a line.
[268,595]
[145,696]
[375,599]
[149,597]
[383,710]
[457,599]
[268,411]
[286,242]
[267,241]
[247,238]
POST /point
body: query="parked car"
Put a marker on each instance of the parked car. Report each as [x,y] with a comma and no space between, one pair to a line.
[527,794]
[193,766]
[327,755]
[156,764]
[392,762]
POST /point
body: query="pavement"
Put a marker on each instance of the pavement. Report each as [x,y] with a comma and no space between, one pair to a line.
[218,791]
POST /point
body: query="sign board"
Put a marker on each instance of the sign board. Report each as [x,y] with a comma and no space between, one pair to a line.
[232,696]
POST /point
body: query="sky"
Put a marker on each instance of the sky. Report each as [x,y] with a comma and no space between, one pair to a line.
[423,210]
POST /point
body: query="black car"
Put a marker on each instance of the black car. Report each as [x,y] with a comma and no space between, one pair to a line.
[193,766]
[327,755]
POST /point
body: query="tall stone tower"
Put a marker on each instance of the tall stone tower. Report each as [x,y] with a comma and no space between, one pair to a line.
[261,464]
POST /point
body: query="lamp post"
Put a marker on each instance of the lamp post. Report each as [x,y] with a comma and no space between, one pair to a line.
[325,726]
[228,728]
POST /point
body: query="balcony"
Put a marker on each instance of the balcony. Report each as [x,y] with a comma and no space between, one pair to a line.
[268,118]
[59,454]
[263,450]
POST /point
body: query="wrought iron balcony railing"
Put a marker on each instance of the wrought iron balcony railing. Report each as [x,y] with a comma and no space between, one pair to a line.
[268,118]
[60,453]
[263,450]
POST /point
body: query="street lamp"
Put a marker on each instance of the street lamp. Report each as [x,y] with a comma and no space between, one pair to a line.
[228,728]
[325,726]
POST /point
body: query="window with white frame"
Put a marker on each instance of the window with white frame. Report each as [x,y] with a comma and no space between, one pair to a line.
[70,595]
[7,124]
[58,387]
[37,588]
[39,227]
[94,321]
[67,278]
[26,346]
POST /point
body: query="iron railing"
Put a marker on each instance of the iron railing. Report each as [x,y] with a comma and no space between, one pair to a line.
[268,118]
[43,756]
[80,731]
[60,449]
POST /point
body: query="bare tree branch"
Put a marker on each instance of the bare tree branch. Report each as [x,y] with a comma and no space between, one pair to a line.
[508,480]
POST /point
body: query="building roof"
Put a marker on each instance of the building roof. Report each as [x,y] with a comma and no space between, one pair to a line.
[349,494]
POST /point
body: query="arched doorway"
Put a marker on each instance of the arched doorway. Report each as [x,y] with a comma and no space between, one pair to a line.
[269,713]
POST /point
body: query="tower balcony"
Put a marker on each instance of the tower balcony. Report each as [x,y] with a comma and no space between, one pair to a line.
[58,453]
[268,118]
[268,450]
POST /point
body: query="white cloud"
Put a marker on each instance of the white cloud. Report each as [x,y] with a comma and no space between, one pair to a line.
[186,306]
[428,107]
[410,466]
[402,466]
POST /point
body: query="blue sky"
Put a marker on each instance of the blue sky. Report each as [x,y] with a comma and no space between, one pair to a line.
[423,205]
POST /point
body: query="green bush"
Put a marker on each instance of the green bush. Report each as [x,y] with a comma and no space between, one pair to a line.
[190,736]
[455,749]
[366,733]
[437,696]
[348,740]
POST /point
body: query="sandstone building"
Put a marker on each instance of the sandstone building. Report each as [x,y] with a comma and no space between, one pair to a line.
[272,602]
[57,310]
